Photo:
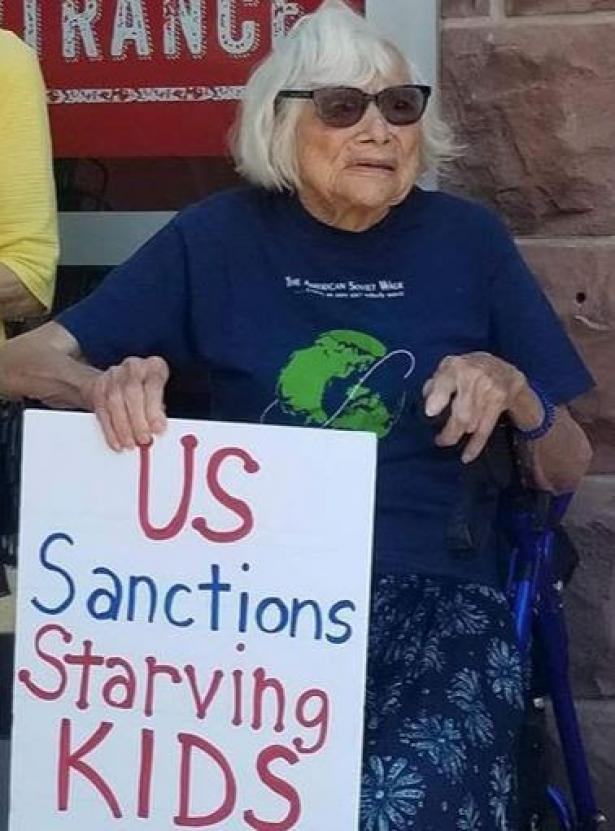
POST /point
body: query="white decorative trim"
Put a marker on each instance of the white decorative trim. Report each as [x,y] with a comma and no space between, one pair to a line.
[143,95]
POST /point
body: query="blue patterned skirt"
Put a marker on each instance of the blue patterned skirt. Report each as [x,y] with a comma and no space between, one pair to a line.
[445,700]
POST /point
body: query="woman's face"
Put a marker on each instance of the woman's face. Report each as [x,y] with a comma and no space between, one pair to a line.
[350,177]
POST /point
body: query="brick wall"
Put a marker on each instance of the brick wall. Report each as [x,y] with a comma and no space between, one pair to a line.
[529,86]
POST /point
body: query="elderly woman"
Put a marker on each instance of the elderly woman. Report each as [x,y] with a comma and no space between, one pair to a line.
[334,292]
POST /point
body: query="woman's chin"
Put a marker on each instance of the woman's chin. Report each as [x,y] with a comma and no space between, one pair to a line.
[373,191]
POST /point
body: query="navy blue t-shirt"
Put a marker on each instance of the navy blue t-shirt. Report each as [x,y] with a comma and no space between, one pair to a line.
[294,322]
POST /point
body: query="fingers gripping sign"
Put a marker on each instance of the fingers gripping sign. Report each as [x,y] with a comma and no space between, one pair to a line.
[128,400]
[478,387]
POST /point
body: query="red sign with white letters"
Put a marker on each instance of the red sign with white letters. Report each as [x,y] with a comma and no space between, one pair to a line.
[148,77]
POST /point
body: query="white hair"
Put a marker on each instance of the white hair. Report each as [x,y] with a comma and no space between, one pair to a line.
[335,45]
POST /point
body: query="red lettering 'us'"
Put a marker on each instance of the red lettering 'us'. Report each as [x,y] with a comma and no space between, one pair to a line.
[213,489]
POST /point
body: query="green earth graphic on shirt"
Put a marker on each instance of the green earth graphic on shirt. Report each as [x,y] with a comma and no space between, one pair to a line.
[345,380]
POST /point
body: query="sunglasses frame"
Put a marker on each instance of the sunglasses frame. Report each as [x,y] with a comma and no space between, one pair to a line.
[366,98]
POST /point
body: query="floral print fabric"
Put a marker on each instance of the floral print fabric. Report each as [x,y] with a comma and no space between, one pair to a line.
[445,699]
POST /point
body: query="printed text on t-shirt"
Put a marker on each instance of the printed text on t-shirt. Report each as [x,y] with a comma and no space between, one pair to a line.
[342,289]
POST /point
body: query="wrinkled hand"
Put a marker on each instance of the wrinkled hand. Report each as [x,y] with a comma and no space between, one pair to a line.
[479,387]
[128,401]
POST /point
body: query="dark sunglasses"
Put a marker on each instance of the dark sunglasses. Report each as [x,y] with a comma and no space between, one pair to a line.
[346,106]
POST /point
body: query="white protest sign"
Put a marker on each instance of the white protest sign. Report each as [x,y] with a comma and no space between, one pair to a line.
[192,628]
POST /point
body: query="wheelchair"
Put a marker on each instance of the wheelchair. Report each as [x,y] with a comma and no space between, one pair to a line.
[539,569]
[539,562]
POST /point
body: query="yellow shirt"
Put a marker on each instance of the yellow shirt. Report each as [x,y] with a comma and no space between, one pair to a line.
[28,220]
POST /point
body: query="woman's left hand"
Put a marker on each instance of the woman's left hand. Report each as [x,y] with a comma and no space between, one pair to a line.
[479,387]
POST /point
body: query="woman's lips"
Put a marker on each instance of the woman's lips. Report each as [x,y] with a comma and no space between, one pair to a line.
[375,166]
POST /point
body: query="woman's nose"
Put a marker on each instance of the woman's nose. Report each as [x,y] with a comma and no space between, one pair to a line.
[375,125]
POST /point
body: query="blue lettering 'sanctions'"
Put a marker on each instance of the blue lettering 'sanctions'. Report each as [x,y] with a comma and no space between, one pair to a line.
[272,615]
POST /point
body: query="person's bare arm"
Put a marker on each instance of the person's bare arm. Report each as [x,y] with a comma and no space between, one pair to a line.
[47,365]
[15,299]
[557,461]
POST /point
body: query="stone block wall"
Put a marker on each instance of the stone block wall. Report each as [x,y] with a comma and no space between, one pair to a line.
[529,86]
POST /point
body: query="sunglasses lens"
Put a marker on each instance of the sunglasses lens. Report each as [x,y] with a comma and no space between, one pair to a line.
[402,105]
[339,107]
[346,106]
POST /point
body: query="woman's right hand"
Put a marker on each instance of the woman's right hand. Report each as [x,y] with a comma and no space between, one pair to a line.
[128,401]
